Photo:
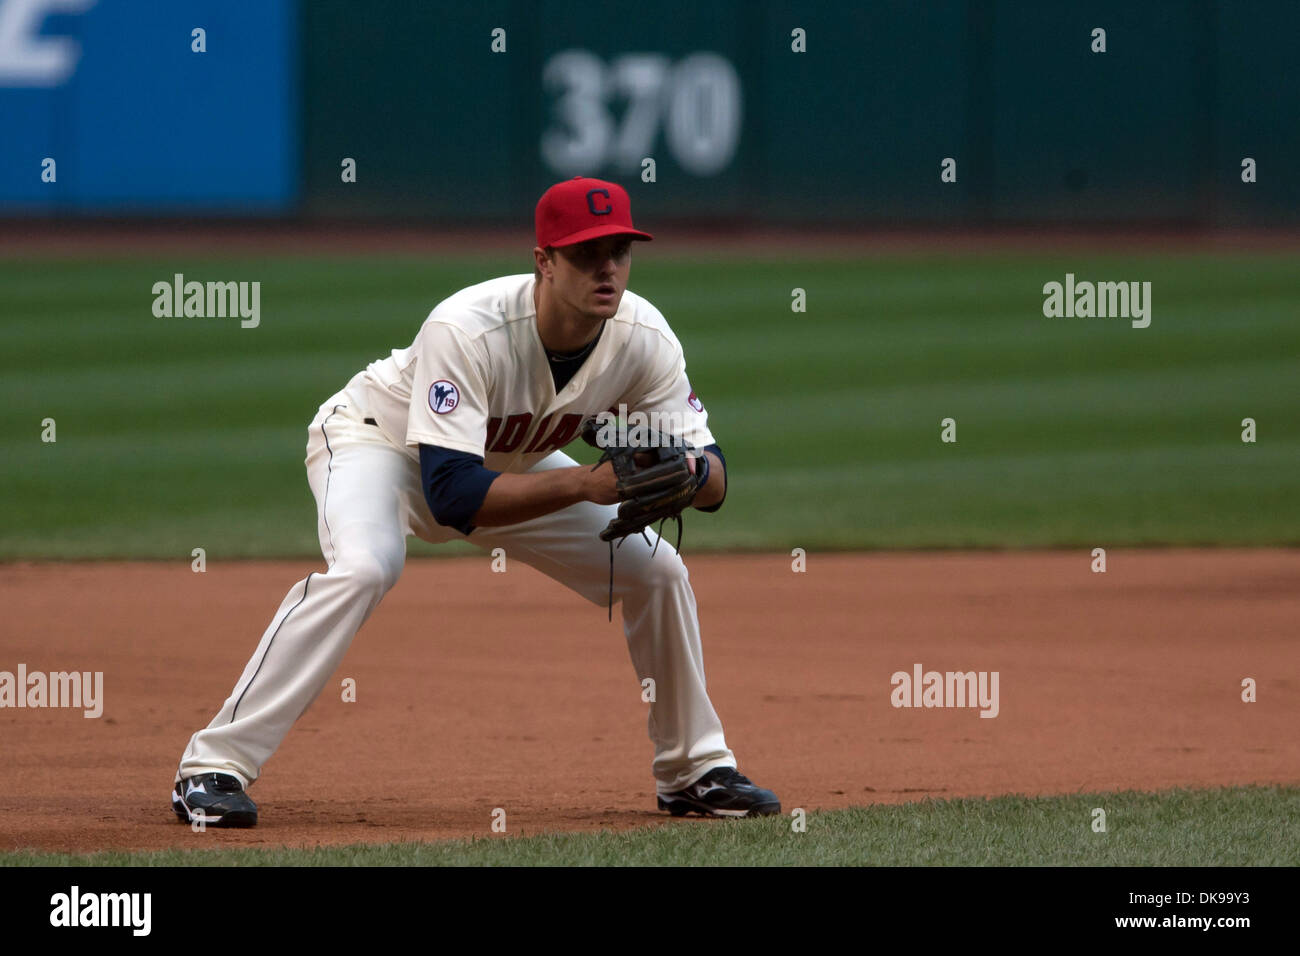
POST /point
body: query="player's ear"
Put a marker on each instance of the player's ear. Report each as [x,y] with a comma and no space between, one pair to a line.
[541,255]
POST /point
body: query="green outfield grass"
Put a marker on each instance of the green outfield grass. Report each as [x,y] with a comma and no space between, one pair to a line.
[1246,826]
[183,433]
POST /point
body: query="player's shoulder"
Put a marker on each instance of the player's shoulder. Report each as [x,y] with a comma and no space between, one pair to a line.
[641,319]
[485,306]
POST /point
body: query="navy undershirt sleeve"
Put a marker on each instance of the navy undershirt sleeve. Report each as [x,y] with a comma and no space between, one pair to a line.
[717,451]
[455,484]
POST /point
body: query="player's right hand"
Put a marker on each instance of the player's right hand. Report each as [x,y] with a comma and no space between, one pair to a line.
[600,484]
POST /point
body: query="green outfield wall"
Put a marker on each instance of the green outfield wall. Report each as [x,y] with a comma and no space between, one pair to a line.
[465,112]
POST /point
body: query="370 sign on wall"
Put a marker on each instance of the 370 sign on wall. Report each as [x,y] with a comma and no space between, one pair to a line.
[695,103]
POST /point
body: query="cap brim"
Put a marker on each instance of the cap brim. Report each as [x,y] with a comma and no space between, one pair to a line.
[595,232]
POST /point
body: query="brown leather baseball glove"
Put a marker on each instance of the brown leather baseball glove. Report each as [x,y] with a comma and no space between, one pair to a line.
[657,481]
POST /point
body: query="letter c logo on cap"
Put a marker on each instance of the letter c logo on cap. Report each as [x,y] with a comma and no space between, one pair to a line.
[591,202]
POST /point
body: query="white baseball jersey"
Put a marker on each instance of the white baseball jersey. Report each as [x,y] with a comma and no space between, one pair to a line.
[482,380]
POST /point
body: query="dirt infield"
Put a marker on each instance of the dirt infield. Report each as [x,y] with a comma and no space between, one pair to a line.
[477,690]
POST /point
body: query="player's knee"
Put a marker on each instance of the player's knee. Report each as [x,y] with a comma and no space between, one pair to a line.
[665,570]
[373,574]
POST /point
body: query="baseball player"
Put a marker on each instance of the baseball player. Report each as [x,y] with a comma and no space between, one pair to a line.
[459,437]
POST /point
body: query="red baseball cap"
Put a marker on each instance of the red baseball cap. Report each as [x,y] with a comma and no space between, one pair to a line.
[580,208]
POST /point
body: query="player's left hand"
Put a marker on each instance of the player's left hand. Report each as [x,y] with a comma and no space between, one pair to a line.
[654,483]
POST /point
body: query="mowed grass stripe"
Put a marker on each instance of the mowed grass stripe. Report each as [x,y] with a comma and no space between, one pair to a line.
[1243,826]
[1069,430]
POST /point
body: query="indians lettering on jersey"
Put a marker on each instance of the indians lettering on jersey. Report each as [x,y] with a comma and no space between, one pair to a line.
[477,380]
[507,435]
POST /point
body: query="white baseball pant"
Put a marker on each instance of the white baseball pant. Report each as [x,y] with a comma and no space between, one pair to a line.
[368,499]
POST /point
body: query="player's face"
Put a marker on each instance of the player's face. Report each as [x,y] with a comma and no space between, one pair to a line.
[591,276]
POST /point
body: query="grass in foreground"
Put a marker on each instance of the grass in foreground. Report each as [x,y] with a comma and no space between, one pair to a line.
[1244,826]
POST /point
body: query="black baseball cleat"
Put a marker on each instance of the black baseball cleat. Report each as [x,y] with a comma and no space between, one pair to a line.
[722,792]
[216,798]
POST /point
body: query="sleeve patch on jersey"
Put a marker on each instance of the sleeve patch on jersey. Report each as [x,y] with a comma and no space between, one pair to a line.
[443,397]
[694,402]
